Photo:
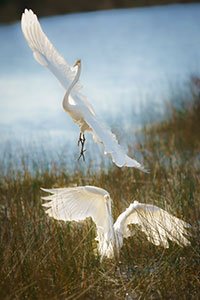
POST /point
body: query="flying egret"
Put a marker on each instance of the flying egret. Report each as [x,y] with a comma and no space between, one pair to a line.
[74,103]
[79,203]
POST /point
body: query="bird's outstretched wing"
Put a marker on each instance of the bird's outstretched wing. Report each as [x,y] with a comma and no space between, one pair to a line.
[111,145]
[75,204]
[44,52]
[158,225]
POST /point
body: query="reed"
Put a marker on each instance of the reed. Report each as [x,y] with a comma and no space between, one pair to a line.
[41,258]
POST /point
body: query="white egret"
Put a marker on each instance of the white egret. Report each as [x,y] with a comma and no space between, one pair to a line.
[79,203]
[74,103]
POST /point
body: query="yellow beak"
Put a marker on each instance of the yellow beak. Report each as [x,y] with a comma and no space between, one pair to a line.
[77,62]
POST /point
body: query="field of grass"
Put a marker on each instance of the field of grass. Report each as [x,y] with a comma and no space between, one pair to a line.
[41,258]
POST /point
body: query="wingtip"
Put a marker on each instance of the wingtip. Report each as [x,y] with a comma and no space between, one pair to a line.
[130,162]
[128,165]
[141,168]
[147,171]
[28,14]
[28,11]
[45,190]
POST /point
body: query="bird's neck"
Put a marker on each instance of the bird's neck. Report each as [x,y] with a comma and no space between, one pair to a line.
[76,79]
[122,218]
[119,224]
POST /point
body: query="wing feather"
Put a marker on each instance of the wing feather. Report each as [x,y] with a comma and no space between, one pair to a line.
[44,52]
[158,225]
[75,204]
[111,145]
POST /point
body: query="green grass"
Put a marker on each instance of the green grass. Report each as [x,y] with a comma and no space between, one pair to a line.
[41,258]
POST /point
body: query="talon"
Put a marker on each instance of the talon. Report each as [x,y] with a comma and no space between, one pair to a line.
[82,141]
[82,154]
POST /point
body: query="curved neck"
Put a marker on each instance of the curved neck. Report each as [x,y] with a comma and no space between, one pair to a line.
[76,79]
[120,224]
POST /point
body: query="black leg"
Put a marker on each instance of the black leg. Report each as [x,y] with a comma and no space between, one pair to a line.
[82,141]
[79,140]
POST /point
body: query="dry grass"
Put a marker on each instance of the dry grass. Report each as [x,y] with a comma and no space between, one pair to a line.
[44,259]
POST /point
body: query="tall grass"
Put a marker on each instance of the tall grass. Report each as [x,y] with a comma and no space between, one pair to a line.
[41,258]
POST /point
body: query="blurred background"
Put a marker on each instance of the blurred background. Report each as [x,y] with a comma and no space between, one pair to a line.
[137,56]
[10,10]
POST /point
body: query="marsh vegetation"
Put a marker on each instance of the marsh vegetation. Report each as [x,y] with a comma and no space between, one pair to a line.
[41,258]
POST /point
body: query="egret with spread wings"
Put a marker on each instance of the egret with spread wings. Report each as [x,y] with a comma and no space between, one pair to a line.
[79,203]
[74,103]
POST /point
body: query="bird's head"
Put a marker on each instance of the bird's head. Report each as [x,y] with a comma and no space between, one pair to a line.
[77,63]
[106,197]
[108,205]
[133,205]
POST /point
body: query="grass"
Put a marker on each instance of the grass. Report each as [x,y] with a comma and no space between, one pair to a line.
[41,258]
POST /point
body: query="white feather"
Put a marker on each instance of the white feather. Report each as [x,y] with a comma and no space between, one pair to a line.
[158,225]
[74,103]
[110,143]
[43,50]
[75,204]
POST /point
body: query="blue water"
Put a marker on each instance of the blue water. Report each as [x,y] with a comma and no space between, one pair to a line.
[131,59]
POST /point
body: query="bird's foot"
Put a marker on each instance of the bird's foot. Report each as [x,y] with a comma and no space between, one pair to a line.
[82,154]
[82,141]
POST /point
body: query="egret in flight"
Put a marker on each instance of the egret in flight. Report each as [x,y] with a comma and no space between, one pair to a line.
[79,203]
[74,103]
